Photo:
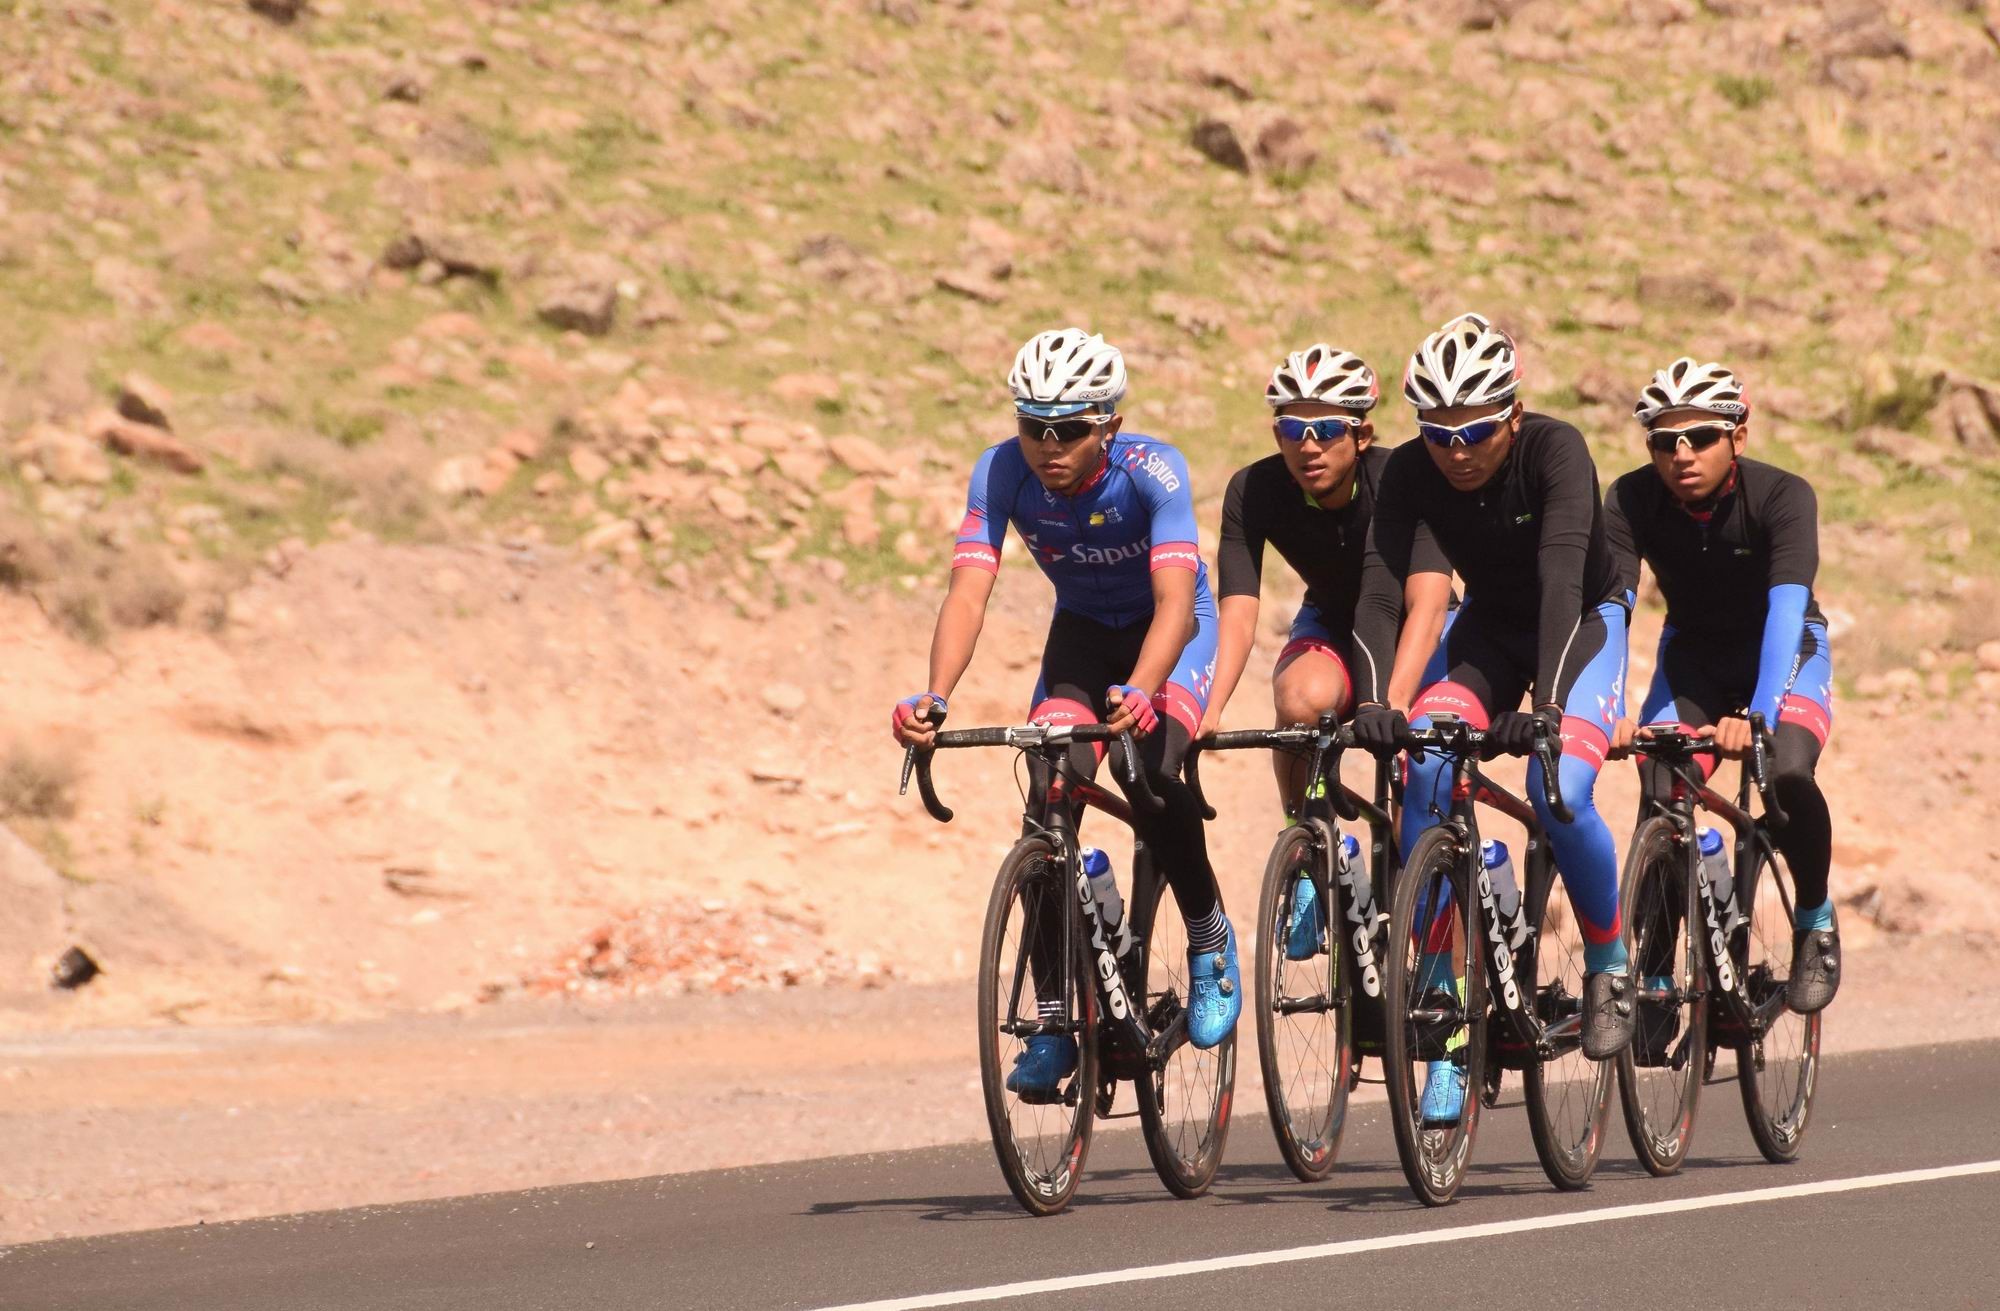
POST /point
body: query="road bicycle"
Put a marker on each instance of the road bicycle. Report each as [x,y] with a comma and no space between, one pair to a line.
[1515,996]
[1712,964]
[1054,960]
[1318,1016]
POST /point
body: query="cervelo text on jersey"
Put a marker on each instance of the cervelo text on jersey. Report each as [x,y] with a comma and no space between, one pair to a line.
[1098,546]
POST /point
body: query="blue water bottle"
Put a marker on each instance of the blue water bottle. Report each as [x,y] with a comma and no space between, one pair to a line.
[1500,873]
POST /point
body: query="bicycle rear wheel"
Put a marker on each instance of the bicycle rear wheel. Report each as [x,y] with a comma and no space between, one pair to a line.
[1568,1095]
[1305,1039]
[1660,1074]
[1777,1071]
[1428,1021]
[1183,1105]
[1040,1142]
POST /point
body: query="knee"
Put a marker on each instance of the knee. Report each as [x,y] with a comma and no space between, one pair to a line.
[1577,782]
[1305,690]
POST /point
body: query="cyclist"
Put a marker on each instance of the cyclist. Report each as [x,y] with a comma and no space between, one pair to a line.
[1734,544]
[1109,517]
[1313,501]
[1511,497]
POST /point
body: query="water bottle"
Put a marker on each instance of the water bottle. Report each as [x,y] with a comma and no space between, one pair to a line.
[1715,859]
[1104,885]
[1353,872]
[1500,873]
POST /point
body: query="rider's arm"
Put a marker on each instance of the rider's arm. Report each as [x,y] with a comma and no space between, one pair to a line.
[1385,570]
[1618,529]
[1167,636]
[1791,519]
[975,562]
[1425,596]
[959,620]
[1566,488]
[1239,563]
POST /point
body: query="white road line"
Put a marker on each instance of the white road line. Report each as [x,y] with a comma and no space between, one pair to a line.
[1421,1238]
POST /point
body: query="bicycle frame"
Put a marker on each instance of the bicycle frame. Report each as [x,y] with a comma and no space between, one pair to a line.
[1502,946]
[1676,750]
[1327,797]
[1056,797]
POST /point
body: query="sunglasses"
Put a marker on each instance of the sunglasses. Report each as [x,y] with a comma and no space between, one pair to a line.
[1326,429]
[1699,437]
[1065,431]
[1465,434]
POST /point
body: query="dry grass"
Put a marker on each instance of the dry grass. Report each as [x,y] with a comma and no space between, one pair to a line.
[38,779]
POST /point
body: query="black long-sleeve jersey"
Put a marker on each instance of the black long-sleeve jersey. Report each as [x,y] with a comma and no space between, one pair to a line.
[1716,572]
[1530,545]
[1265,503]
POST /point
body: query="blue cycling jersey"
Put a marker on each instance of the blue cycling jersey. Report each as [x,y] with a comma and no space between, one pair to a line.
[1098,545]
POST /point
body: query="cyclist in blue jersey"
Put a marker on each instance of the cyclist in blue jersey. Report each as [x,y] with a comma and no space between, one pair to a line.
[1734,545]
[1511,498]
[1109,517]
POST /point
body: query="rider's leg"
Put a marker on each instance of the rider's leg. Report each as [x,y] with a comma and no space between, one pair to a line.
[1804,724]
[1592,700]
[1311,679]
[1807,837]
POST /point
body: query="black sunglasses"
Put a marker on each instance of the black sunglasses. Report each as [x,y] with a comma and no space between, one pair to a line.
[1699,437]
[1065,431]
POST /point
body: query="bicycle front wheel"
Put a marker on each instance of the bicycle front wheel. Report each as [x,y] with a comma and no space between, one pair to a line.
[1777,1070]
[1184,1104]
[1027,956]
[1305,1029]
[1434,998]
[1568,1095]
[1661,1072]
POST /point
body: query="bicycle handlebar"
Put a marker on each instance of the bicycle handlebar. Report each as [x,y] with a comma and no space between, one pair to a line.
[1024,737]
[1676,746]
[1452,736]
[1250,739]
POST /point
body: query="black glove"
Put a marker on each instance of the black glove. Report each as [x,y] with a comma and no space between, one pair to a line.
[1513,732]
[1380,730]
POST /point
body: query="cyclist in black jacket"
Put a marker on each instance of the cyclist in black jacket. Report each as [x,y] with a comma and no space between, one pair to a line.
[1734,544]
[1313,501]
[1511,497]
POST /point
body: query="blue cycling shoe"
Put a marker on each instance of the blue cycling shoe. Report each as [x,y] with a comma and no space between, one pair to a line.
[1040,1069]
[1444,1095]
[1215,993]
[1302,938]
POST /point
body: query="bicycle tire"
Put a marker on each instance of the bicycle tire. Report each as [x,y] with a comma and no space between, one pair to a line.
[1305,1064]
[1777,1073]
[1568,1096]
[1042,1174]
[1184,1104]
[1663,912]
[1433,1159]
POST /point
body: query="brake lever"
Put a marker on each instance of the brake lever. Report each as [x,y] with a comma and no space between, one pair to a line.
[1142,790]
[1193,771]
[1549,752]
[1760,738]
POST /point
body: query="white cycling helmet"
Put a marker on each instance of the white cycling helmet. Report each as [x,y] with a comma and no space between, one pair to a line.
[1321,373]
[1066,371]
[1685,385]
[1466,362]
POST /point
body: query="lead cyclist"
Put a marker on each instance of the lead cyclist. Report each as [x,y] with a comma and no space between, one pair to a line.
[1109,517]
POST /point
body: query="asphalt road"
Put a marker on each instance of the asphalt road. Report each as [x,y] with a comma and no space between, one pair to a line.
[860,1229]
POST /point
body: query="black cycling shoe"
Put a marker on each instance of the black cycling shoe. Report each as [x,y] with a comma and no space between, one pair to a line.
[1607,1014]
[1815,970]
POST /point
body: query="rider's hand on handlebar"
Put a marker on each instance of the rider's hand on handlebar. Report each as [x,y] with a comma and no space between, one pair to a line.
[1211,724]
[1513,731]
[1624,737]
[1131,710]
[1381,730]
[915,719]
[1732,736]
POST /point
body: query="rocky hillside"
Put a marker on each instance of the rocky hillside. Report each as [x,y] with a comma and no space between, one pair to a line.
[665,276]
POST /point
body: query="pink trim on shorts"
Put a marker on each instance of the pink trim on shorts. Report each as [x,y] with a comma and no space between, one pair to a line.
[1808,714]
[1299,646]
[1176,701]
[1062,710]
[1447,697]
